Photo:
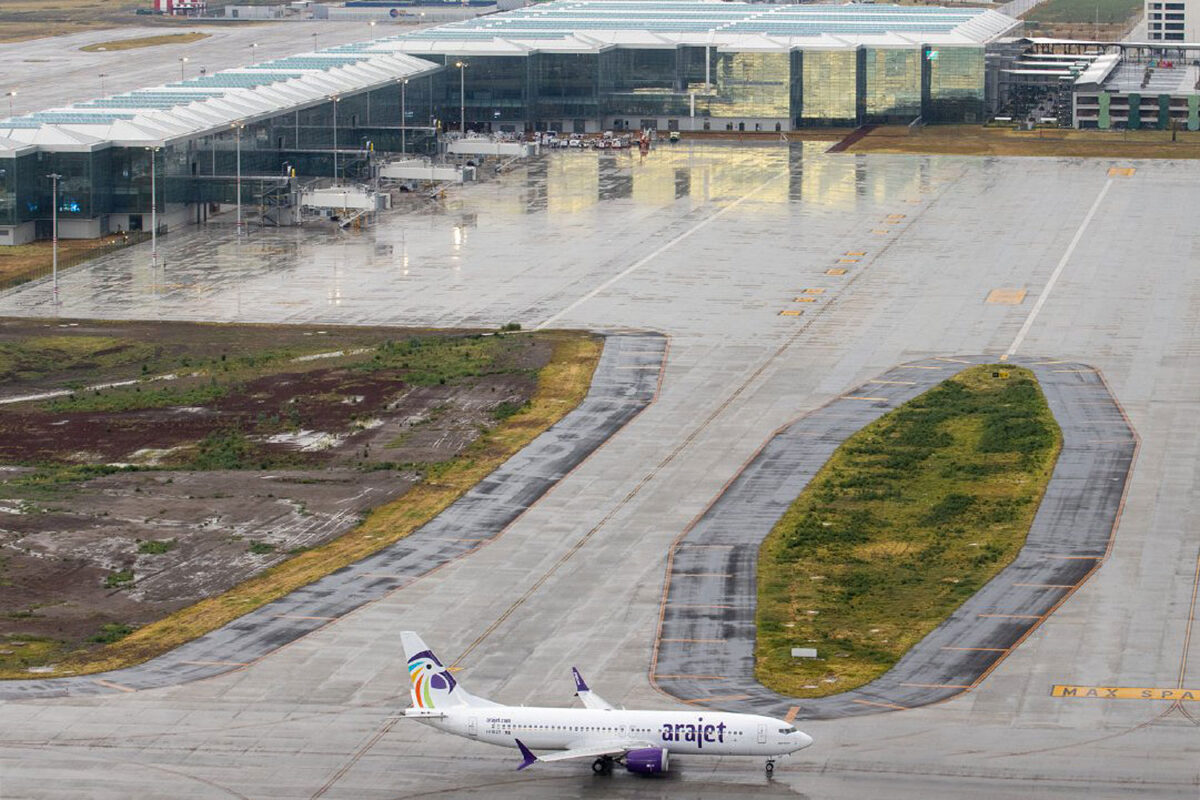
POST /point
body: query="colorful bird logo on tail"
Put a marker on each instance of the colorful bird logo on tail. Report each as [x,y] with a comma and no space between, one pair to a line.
[431,681]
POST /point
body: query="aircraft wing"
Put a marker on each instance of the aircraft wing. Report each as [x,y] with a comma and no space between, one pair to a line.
[614,747]
[589,698]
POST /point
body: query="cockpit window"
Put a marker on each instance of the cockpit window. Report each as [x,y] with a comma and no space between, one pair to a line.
[788,729]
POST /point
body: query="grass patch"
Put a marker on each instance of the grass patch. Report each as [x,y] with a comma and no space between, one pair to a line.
[112,632]
[561,385]
[976,140]
[19,653]
[908,519]
[1103,11]
[144,41]
[156,547]
[34,357]
[261,548]
[138,398]
[115,580]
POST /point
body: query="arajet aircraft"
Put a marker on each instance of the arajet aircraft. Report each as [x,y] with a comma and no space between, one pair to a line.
[639,740]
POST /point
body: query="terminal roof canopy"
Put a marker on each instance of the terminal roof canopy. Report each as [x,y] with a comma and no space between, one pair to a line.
[592,25]
[207,104]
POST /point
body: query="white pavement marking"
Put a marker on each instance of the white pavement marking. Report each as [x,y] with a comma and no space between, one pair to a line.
[647,259]
[1062,262]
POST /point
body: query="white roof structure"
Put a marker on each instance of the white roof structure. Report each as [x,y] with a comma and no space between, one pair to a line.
[207,104]
[589,26]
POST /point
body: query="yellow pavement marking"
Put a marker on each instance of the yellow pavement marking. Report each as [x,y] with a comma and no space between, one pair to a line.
[790,716]
[692,677]
[835,271]
[847,261]
[856,252]
[952,360]
[915,366]
[717,697]
[880,232]
[814,291]
[1125,692]
[790,312]
[804,300]
[863,397]
[1074,370]
[881,705]
[1121,172]
[1006,297]
[112,685]
[896,216]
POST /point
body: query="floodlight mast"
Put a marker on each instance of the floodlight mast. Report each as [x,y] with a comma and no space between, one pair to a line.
[54,177]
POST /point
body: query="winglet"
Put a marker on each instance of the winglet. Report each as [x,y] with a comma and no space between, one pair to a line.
[529,758]
[580,686]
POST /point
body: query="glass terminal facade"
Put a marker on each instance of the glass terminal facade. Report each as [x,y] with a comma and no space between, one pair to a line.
[574,66]
[629,88]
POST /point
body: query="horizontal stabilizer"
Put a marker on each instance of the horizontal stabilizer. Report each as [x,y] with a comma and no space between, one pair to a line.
[529,758]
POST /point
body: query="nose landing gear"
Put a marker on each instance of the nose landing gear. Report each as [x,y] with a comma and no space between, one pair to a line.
[770,767]
[603,765]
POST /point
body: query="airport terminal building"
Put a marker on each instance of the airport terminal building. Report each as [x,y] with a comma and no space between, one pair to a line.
[188,148]
[593,65]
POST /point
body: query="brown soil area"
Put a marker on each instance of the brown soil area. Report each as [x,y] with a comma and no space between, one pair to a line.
[1050,142]
[103,523]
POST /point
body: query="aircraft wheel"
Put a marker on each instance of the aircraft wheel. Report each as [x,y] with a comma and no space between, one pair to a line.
[602,766]
[770,768]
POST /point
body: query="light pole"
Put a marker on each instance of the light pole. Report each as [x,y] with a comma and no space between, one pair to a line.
[403,117]
[54,176]
[237,127]
[153,208]
[103,75]
[335,99]
[10,95]
[182,61]
[314,38]
[462,95]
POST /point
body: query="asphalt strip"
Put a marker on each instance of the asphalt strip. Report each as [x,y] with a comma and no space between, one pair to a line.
[624,383]
[706,640]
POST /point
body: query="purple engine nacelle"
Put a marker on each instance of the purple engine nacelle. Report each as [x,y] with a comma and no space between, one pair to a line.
[647,761]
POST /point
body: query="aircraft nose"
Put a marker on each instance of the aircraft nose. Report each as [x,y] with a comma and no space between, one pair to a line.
[803,740]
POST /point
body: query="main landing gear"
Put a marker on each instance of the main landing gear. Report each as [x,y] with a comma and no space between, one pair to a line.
[603,765]
[770,768]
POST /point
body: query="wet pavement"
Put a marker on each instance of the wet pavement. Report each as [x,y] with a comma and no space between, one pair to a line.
[783,278]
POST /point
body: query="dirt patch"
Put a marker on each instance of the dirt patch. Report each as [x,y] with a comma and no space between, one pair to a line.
[977,140]
[222,451]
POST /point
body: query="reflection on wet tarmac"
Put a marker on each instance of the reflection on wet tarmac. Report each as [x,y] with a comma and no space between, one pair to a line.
[547,228]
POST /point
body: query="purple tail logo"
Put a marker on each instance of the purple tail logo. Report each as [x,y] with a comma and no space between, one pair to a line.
[430,679]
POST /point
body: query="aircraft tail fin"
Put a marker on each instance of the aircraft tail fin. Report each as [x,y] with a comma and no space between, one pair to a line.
[432,686]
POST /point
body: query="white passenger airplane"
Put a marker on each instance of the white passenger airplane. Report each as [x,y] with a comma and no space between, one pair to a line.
[639,740]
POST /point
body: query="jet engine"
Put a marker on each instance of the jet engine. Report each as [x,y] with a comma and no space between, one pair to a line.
[647,760]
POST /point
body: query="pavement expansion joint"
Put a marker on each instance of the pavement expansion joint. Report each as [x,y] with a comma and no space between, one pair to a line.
[1078,513]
